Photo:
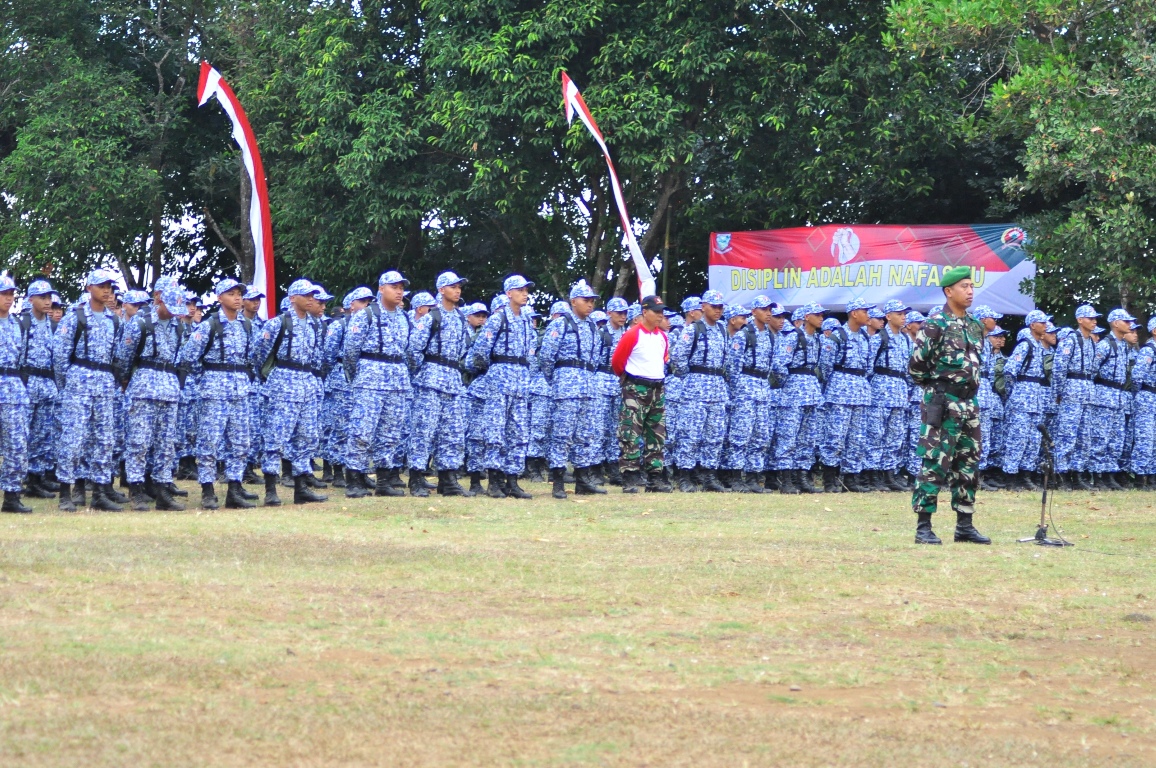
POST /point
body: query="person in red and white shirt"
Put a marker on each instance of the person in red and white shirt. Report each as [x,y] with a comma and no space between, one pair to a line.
[640,361]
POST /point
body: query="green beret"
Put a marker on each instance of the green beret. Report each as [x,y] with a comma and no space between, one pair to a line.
[954,275]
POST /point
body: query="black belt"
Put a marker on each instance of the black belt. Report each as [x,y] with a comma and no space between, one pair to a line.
[1038,380]
[227,367]
[802,371]
[443,361]
[294,366]
[1148,388]
[10,372]
[574,364]
[91,365]
[1080,376]
[380,358]
[960,391]
[889,372]
[632,379]
[163,367]
[605,369]
[851,371]
[1111,384]
[43,373]
[510,360]
[706,370]
[756,372]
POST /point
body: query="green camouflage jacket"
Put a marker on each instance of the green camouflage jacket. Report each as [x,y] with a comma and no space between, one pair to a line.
[948,351]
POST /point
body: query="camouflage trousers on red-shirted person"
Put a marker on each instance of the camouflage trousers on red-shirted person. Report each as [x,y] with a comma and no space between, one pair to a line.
[642,426]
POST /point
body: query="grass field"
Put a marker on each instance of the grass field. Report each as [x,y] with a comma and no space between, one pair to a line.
[658,630]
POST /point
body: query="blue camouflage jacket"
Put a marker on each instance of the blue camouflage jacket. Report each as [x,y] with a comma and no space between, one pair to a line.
[222,349]
[333,357]
[439,356]
[377,349]
[802,388]
[750,362]
[505,349]
[890,380]
[986,396]
[605,382]
[1025,377]
[569,356]
[1073,368]
[1111,366]
[84,361]
[38,345]
[1144,371]
[298,356]
[154,371]
[845,363]
[12,389]
[699,355]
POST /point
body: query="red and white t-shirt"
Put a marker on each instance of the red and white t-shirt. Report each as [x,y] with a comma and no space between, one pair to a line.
[641,353]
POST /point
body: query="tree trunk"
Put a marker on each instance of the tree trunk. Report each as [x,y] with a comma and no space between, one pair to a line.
[596,252]
[246,258]
[652,240]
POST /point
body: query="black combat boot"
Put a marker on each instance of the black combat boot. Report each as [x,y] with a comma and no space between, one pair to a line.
[632,481]
[613,475]
[476,487]
[251,477]
[1082,481]
[66,503]
[123,475]
[895,482]
[853,482]
[773,480]
[514,491]
[594,475]
[1029,482]
[558,489]
[165,500]
[789,482]
[209,497]
[384,482]
[448,483]
[965,531]
[356,484]
[102,501]
[48,481]
[235,497]
[710,483]
[286,473]
[497,484]
[312,481]
[113,494]
[685,481]
[831,481]
[757,482]
[326,471]
[35,489]
[175,491]
[584,484]
[303,494]
[417,485]
[656,482]
[985,483]
[12,503]
[78,490]
[1110,482]
[395,480]
[245,494]
[923,532]
[339,480]
[138,497]
[271,498]
[803,481]
[187,468]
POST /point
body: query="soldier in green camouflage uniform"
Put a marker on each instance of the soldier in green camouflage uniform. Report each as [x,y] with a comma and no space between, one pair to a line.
[946,363]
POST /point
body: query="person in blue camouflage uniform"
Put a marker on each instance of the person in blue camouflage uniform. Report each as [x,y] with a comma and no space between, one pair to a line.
[783,338]
[438,347]
[914,324]
[43,395]
[337,382]
[1073,374]
[1142,462]
[132,302]
[187,409]
[609,387]
[1029,391]
[320,322]
[801,396]
[14,403]
[691,311]
[1110,399]
[568,358]
[378,361]
[146,358]
[540,404]
[1126,479]
[504,349]
[890,354]
[251,306]
[291,426]
[477,315]
[89,393]
[221,345]
[699,355]
[991,407]
[846,410]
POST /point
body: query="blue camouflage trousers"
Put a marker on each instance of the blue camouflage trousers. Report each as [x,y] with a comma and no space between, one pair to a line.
[990,439]
[888,439]
[42,433]
[1070,436]
[748,435]
[1143,460]
[222,433]
[1021,444]
[702,428]
[1106,438]
[798,432]
[609,412]
[844,441]
[84,448]
[186,438]
[475,435]
[338,438]
[377,429]
[256,431]
[540,407]
[914,422]
[290,431]
[149,444]
[505,420]
[439,429]
[574,433]
[13,446]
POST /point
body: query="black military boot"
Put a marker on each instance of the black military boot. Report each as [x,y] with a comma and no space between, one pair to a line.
[965,531]
[710,483]
[66,503]
[395,480]
[985,483]
[895,482]
[356,484]
[339,480]
[558,487]
[448,483]
[656,482]
[804,482]
[923,532]
[48,481]
[271,498]
[788,482]
[311,481]
[165,500]
[879,481]
[78,490]
[757,482]
[515,491]
[251,477]
[613,475]
[1082,481]
[235,497]
[384,486]
[12,503]
[175,491]
[773,480]
[831,481]
[245,494]
[187,468]
[594,475]
[417,485]
[35,489]
[103,501]
[303,494]
[113,494]
[632,481]
[209,497]
[138,497]
[1028,481]
[685,481]
[496,488]
[326,471]
[1110,482]
[286,473]
[476,487]
[584,484]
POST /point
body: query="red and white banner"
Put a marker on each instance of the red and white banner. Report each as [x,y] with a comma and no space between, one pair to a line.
[575,103]
[211,84]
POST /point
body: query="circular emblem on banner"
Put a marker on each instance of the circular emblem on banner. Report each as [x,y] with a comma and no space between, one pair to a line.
[1014,237]
[722,242]
[845,244]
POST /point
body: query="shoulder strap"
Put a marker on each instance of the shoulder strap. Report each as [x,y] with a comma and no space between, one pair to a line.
[699,330]
[81,329]
[843,342]
[216,333]
[435,327]
[145,325]
[884,345]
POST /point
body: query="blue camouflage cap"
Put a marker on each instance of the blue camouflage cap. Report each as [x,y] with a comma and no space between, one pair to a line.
[935,310]
[735,310]
[633,311]
[599,316]
[39,288]
[997,331]
[778,310]
[691,303]
[531,312]
[499,302]
[876,313]
[559,308]
[676,321]
[984,312]
[100,277]
[856,304]
[392,277]
[713,297]
[422,299]
[174,300]
[514,282]
[1050,328]
[814,308]
[226,285]
[895,305]
[914,317]
[136,297]
[1086,310]
[830,324]
[1099,331]
[285,304]
[347,303]
[1036,316]
[1025,333]
[7,284]
[359,293]
[798,314]
[668,313]
[477,308]
[166,283]
[322,294]
[56,300]
[253,292]
[580,290]
[1152,324]
[617,304]
[1120,314]
[761,302]
[1133,326]
[302,287]
[449,278]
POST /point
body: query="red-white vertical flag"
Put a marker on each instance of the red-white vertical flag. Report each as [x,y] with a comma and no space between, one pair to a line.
[575,104]
[211,84]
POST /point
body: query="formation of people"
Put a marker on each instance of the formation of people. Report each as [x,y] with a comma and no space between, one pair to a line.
[152,387]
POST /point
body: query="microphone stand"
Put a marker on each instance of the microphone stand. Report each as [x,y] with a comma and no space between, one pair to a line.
[1041,537]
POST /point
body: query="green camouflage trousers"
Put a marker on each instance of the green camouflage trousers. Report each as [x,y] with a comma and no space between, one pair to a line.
[950,456]
[642,427]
